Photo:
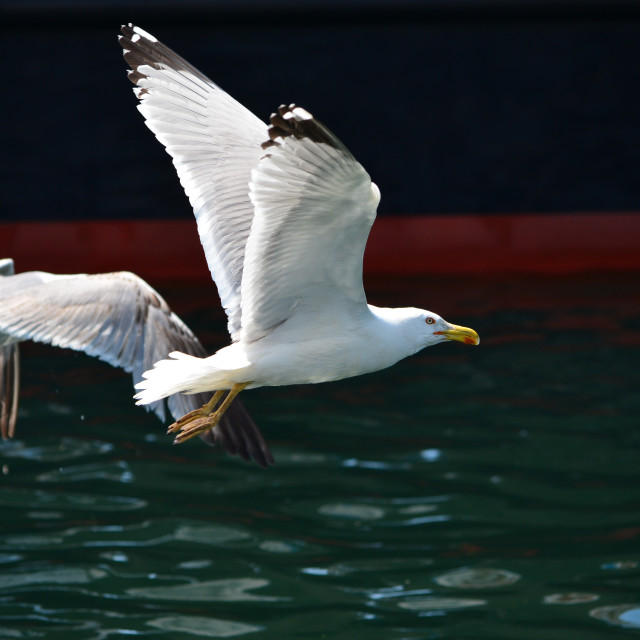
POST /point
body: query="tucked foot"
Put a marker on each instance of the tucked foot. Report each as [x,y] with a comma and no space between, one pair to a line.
[197,426]
[196,422]
[196,414]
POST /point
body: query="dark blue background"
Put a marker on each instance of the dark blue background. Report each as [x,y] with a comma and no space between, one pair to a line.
[474,108]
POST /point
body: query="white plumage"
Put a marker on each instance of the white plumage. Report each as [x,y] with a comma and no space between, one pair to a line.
[283,212]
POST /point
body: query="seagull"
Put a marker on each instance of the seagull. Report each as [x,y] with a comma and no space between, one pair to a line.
[283,212]
[118,318]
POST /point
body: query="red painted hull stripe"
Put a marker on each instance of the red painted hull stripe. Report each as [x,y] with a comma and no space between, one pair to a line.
[457,244]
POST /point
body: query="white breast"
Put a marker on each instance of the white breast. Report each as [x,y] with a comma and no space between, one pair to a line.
[339,348]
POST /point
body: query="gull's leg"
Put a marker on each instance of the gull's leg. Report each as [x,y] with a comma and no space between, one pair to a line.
[198,425]
[9,389]
[202,412]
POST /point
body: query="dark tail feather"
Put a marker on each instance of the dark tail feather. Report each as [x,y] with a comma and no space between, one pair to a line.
[239,435]
[9,388]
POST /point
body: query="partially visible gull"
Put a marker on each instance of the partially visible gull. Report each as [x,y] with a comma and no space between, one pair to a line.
[118,318]
[283,212]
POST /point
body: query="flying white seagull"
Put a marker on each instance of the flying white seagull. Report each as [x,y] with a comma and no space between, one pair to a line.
[283,213]
[118,318]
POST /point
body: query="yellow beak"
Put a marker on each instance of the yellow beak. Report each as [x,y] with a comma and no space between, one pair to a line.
[460,334]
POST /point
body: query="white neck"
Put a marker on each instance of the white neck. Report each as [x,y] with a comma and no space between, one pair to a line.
[392,332]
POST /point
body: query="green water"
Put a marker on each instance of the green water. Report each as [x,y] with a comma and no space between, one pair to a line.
[488,492]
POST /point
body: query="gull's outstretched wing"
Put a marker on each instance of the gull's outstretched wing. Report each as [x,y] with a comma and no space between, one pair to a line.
[314,207]
[116,317]
[214,142]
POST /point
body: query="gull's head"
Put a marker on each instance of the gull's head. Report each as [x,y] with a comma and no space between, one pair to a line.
[427,328]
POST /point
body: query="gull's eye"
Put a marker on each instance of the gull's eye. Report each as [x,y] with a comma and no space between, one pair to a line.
[430,320]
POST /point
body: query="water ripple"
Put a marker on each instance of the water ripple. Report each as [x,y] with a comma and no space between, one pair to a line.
[374,464]
[352,510]
[37,498]
[440,604]
[279,546]
[226,590]
[6,558]
[201,626]
[55,575]
[210,534]
[477,578]
[620,615]
[57,451]
[570,598]
[619,565]
[117,471]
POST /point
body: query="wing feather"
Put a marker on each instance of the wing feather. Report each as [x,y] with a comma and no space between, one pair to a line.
[116,317]
[214,142]
[314,207]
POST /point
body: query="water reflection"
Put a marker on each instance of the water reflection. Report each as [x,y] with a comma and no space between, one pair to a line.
[203,627]
[351,510]
[195,564]
[477,578]
[115,556]
[620,565]
[431,455]
[279,546]
[375,464]
[55,575]
[353,566]
[620,615]
[117,471]
[57,450]
[63,501]
[418,509]
[440,604]
[570,598]
[226,590]
[211,534]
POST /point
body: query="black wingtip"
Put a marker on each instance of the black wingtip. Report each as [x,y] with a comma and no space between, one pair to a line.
[295,121]
[126,33]
[142,48]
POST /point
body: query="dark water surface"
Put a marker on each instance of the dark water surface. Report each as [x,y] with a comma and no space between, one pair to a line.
[488,492]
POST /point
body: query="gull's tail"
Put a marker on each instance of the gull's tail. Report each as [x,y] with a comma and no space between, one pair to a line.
[182,373]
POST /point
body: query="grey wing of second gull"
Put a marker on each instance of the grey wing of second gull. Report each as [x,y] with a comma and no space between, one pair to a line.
[118,318]
[214,142]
